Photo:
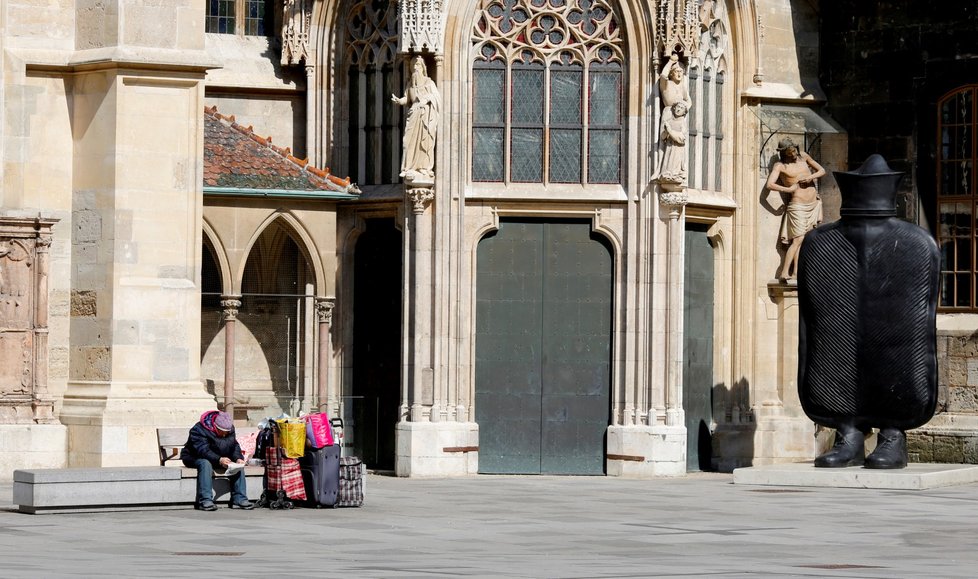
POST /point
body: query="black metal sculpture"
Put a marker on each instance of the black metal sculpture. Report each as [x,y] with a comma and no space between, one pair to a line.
[867,288]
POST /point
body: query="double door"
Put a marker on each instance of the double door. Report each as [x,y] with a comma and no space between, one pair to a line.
[543,348]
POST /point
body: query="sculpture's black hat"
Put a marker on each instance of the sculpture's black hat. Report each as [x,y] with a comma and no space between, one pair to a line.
[870,190]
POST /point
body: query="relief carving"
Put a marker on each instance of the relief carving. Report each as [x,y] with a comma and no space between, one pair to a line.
[24,245]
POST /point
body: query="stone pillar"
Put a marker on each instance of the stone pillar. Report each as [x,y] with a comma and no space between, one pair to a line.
[137,230]
[324,313]
[675,202]
[229,313]
[41,402]
[420,193]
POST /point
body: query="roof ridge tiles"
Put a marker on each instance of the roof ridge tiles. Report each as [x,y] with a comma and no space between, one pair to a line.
[302,166]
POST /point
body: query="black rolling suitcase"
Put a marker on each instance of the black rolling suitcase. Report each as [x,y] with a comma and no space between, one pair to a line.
[321,475]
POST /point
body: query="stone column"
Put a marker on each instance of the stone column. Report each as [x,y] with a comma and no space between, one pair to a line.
[324,313]
[675,202]
[420,192]
[229,313]
[41,402]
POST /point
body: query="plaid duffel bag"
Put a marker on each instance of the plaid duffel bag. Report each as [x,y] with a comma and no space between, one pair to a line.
[351,482]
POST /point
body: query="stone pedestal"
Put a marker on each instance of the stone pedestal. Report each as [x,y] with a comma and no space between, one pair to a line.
[437,449]
[782,431]
[114,423]
[32,446]
[646,451]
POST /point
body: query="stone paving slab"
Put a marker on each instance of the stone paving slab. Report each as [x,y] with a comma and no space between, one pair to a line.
[917,476]
[513,526]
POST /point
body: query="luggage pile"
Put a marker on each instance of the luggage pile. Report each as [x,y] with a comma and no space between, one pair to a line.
[303,465]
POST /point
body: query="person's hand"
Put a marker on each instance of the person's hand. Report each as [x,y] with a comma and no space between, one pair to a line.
[225,461]
[805,181]
[241,461]
[674,57]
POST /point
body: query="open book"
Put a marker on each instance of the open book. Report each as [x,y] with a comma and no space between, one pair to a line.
[233,468]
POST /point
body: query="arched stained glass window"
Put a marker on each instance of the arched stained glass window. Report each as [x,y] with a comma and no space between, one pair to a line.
[956,125]
[547,92]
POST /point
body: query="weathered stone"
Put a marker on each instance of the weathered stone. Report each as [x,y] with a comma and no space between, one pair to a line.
[920,447]
[948,449]
[83,303]
[962,400]
[957,371]
[963,346]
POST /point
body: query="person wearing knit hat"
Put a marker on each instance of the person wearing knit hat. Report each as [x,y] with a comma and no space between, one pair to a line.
[212,446]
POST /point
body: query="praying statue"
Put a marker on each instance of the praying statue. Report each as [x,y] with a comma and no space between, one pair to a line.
[421,126]
[671,159]
[795,174]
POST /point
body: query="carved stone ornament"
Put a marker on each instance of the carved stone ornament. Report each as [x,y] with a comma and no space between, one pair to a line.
[678,27]
[674,198]
[372,34]
[421,26]
[324,309]
[296,23]
[24,271]
[229,309]
[420,197]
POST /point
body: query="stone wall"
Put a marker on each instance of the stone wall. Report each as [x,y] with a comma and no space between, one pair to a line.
[883,68]
[951,436]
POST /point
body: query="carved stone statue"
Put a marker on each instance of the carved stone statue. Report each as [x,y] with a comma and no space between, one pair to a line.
[421,127]
[867,295]
[673,130]
[795,174]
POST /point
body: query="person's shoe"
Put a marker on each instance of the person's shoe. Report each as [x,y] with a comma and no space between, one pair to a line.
[849,450]
[205,506]
[242,504]
[891,450]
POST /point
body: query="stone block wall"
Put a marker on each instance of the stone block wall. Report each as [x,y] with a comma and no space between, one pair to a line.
[952,435]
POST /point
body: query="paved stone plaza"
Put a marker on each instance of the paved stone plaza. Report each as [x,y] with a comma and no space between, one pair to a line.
[499,526]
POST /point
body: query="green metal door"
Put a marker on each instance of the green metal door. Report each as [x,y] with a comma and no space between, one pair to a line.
[543,348]
[698,347]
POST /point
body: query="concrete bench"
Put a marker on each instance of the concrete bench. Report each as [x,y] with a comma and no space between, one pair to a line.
[117,488]
[120,488]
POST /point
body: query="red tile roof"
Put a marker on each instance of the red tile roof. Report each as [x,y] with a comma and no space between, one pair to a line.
[235,157]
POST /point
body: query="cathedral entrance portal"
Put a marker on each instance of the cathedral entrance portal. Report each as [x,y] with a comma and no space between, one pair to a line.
[543,348]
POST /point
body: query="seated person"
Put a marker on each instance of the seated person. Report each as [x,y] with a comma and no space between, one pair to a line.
[212,445]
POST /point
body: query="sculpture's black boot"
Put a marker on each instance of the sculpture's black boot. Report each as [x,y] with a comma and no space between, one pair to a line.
[891,450]
[848,450]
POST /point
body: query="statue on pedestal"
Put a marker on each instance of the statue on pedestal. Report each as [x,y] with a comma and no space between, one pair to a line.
[421,126]
[867,353]
[795,174]
[671,160]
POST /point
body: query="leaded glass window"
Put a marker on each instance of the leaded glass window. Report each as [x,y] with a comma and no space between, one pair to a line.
[220,17]
[223,16]
[547,92]
[956,125]
[254,20]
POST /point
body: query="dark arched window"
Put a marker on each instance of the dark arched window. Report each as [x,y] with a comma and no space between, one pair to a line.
[956,125]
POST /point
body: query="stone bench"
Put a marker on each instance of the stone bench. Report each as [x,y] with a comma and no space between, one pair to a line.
[129,487]
[62,490]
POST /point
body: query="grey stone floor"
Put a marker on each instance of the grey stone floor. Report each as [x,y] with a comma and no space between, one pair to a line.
[513,526]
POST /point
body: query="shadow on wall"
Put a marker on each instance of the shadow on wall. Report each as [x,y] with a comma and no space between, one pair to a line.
[733,436]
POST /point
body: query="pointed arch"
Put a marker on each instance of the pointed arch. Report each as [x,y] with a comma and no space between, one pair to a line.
[221,257]
[296,230]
